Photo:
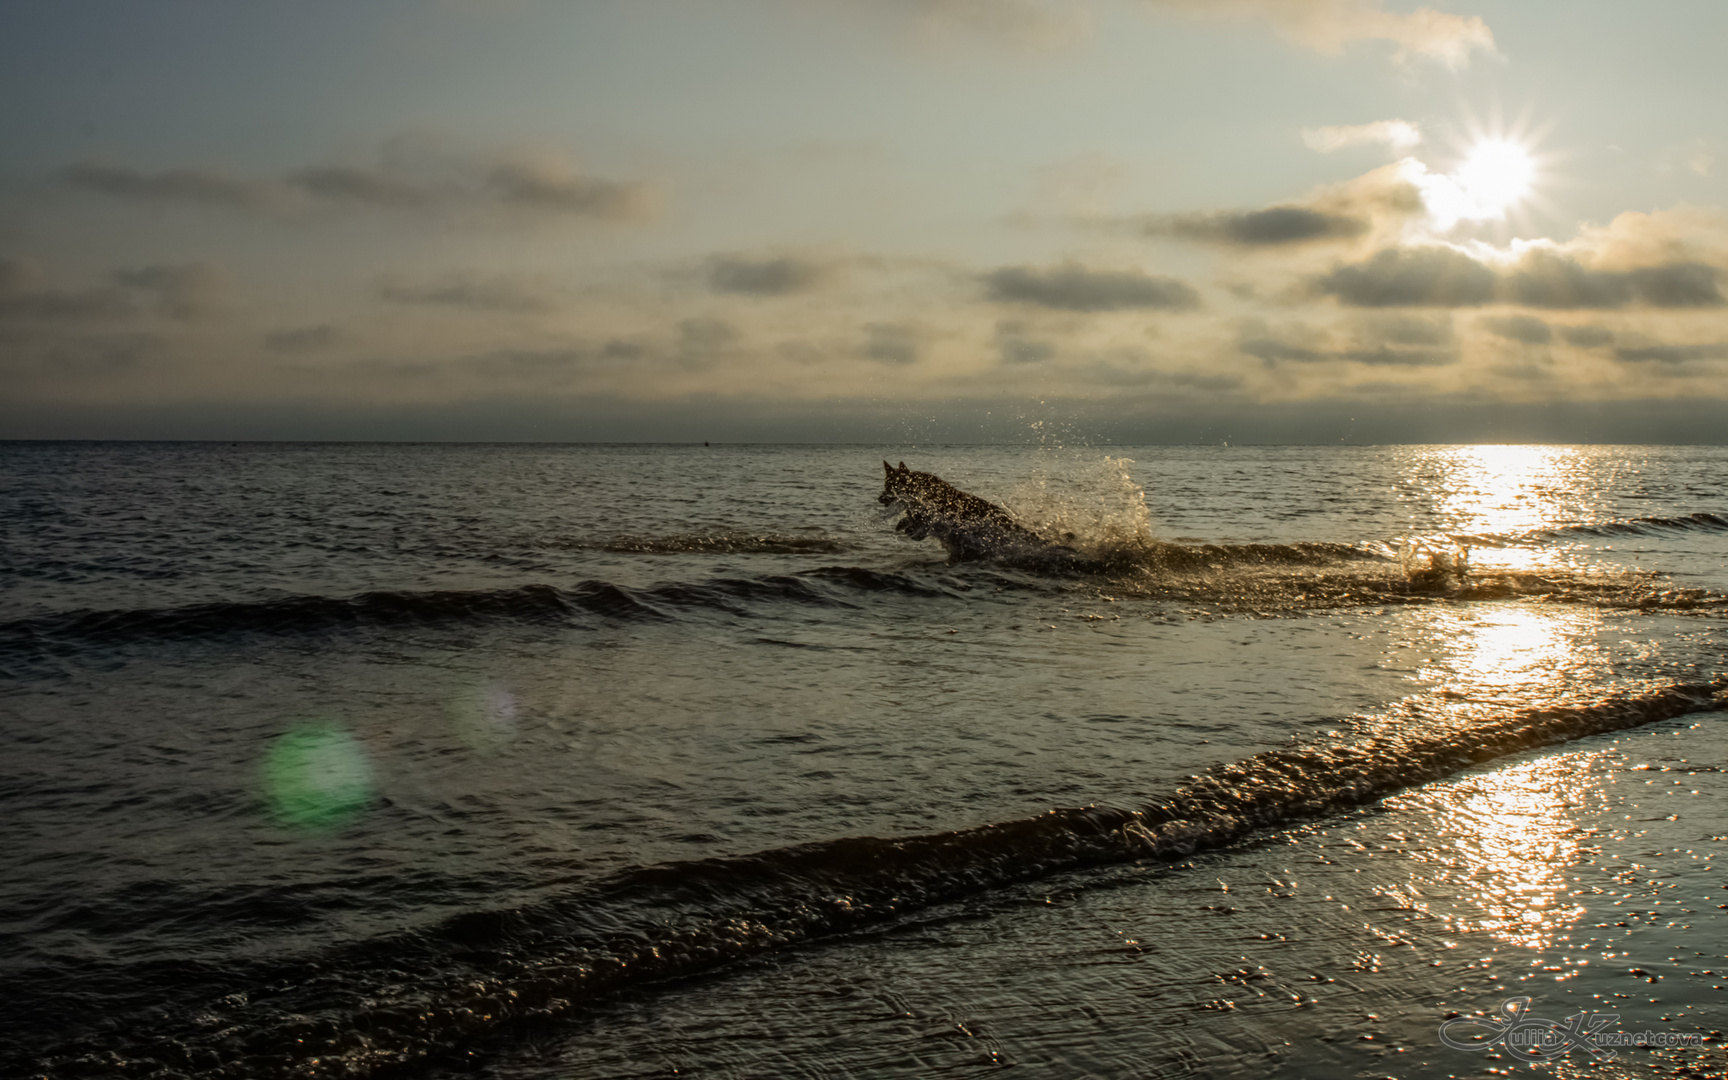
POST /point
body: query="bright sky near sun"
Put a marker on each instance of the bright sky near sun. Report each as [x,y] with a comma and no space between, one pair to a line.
[1143,220]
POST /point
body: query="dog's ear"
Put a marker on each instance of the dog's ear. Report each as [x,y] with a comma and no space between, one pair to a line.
[903,467]
[887,468]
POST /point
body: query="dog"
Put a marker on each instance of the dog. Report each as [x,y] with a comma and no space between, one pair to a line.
[969,527]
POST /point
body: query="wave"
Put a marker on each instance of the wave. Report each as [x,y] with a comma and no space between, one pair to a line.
[1638,526]
[721,542]
[436,998]
[307,614]
[1261,578]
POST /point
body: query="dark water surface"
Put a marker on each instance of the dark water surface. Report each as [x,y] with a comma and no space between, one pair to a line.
[380,759]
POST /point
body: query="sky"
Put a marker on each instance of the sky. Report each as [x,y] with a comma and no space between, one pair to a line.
[1094,221]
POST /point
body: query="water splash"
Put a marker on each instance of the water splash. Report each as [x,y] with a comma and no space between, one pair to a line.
[1096,507]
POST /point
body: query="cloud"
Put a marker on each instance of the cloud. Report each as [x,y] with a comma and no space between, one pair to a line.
[1271,350]
[1387,356]
[507,293]
[1672,354]
[1550,279]
[1409,330]
[540,182]
[1273,226]
[1034,24]
[186,291]
[780,276]
[1378,341]
[703,340]
[1400,135]
[1412,277]
[1543,276]
[1677,285]
[25,296]
[1072,287]
[302,339]
[1015,345]
[549,182]
[1524,329]
[1328,26]
[890,343]
[1586,337]
[210,187]
[365,187]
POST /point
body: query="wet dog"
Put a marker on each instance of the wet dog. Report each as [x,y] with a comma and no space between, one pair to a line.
[969,527]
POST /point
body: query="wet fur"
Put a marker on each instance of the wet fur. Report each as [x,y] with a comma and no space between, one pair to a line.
[969,527]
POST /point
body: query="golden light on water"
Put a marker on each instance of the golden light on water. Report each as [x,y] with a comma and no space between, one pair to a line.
[1505,492]
[1509,646]
[1513,836]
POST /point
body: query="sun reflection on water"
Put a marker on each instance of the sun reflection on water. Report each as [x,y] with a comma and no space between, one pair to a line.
[1520,650]
[1500,494]
[1514,834]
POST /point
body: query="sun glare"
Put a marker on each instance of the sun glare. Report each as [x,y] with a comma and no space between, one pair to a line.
[1496,176]
[1494,179]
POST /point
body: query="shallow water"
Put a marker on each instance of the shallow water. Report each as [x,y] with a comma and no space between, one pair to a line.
[355,759]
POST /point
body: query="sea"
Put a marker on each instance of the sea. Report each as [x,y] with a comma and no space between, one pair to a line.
[607,761]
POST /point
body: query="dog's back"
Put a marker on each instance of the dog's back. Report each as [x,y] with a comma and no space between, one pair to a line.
[969,527]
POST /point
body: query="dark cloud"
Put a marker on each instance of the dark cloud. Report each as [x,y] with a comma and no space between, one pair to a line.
[1412,277]
[1542,278]
[1410,330]
[1677,285]
[302,339]
[1672,354]
[1388,356]
[546,184]
[1547,279]
[619,349]
[763,277]
[192,185]
[1271,349]
[1586,337]
[367,187]
[1015,345]
[890,343]
[702,340]
[58,352]
[1072,287]
[1129,368]
[540,184]
[26,297]
[1274,226]
[507,294]
[1525,329]
[185,291]
[531,363]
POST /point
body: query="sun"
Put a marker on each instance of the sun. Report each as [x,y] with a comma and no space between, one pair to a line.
[1496,175]
[1494,178]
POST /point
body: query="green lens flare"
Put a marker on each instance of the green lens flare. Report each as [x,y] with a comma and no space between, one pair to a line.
[317,777]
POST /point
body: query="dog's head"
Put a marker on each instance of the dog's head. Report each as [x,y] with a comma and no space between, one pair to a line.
[897,483]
